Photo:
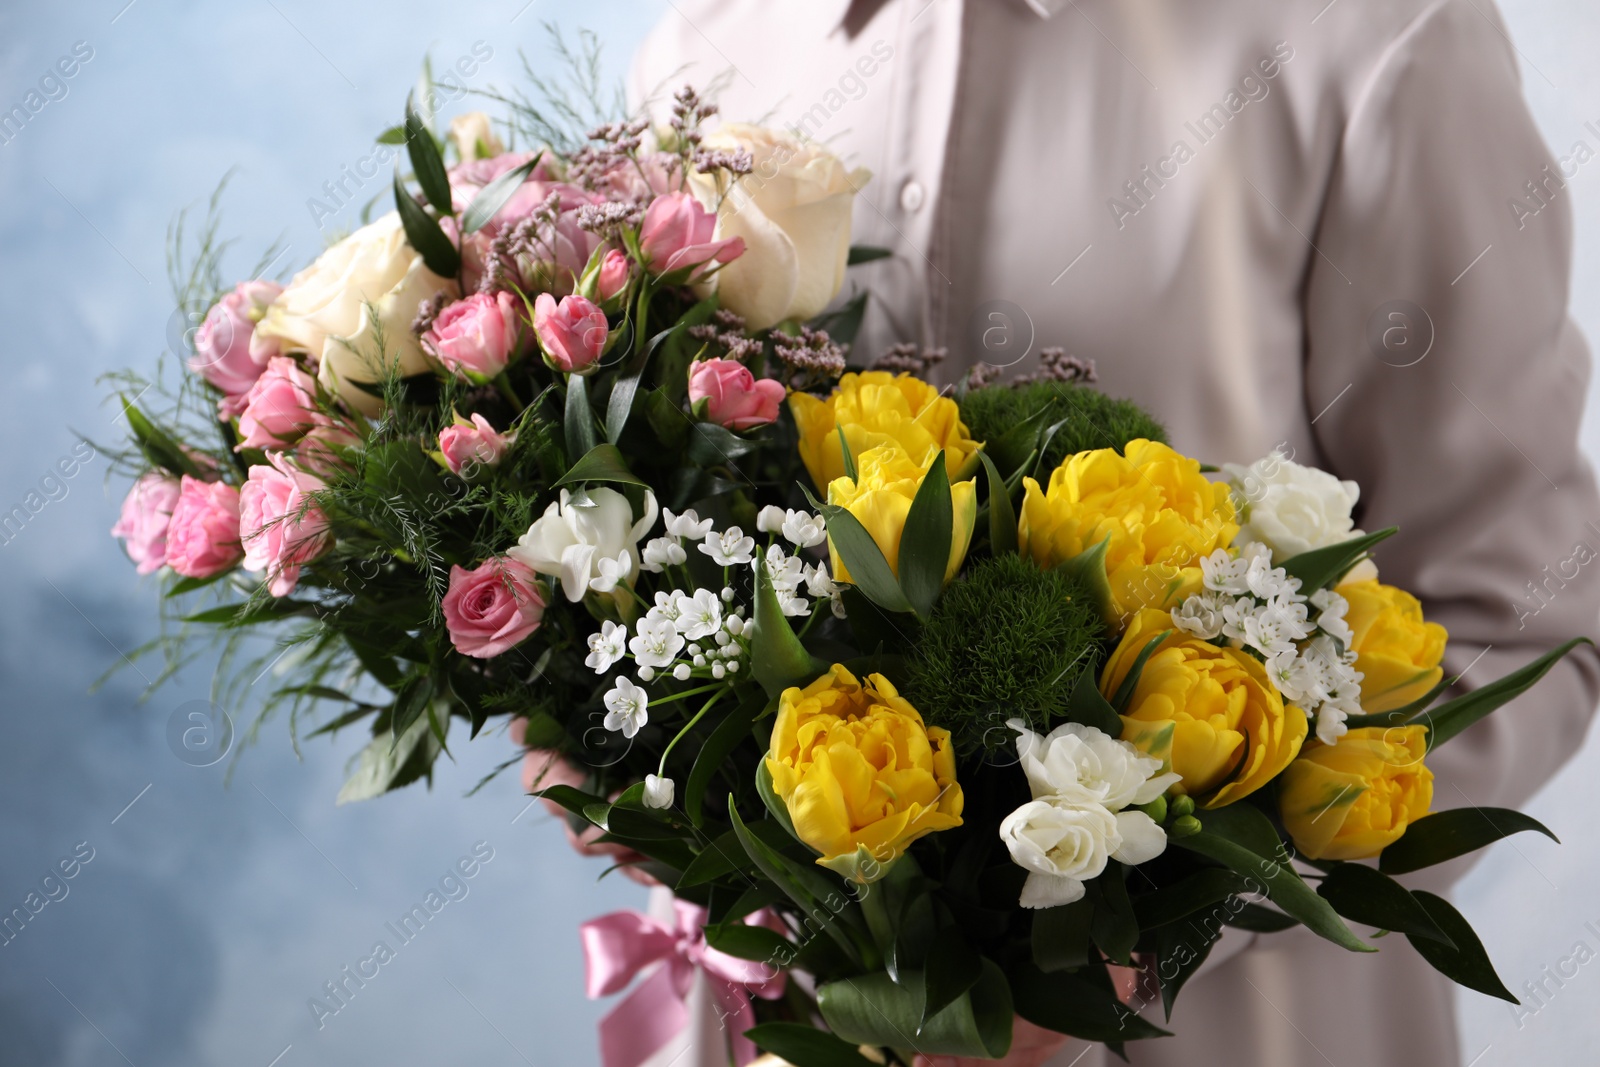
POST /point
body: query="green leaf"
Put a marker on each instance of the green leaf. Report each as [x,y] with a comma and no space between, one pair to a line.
[847,455]
[426,162]
[713,754]
[805,1046]
[1453,716]
[189,585]
[1181,948]
[157,445]
[1322,567]
[774,803]
[1113,926]
[492,197]
[578,419]
[1202,889]
[1131,679]
[602,463]
[1467,963]
[1247,825]
[953,966]
[384,763]
[1364,895]
[751,943]
[1257,918]
[711,445]
[393,135]
[1087,706]
[724,855]
[410,703]
[1017,447]
[866,254]
[1070,1004]
[925,540]
[1286,888]
[842,324]
[807,888]
[1002,514]
[573,799]
[873,1010]
[869,570]
[234,616]
[1444,835]
[777,658]
[1401,715]
[1089,567]
[424,233]
[1060,938]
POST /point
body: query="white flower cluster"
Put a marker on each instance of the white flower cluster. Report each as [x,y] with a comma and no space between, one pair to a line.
[1083,780]
[1251,604]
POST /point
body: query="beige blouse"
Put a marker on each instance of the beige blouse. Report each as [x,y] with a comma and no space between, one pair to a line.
[1326,225]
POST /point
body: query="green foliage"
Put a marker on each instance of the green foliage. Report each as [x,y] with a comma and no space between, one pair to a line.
[1092,419]
[1006,639]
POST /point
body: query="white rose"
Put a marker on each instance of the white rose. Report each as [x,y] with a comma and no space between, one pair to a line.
[1084,765]
[589,543]
[326,311]
[1291,508]
[793,211]
[473,136]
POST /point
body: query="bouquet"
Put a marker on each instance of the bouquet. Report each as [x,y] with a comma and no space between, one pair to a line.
[934,709]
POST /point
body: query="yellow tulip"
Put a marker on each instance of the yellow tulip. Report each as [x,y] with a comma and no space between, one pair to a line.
[1398,652]
[1160,513]
[859,773]
[879,408]
[1200,709]
[881,499]
[1353,799]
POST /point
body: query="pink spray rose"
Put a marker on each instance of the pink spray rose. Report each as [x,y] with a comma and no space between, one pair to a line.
[318,451]
[226,353]
[614,272]
[203,539]
[146,515]
[478,336]
[469,444]
[280,406]
[679,232]
[492,607]
[572,333]
[279,525]
[734,398]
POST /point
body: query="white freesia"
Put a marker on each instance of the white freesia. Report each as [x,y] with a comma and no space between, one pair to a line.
[627,708]
[1292,508]
[351,311]
[1061,846]
[571,541]
[656,644]
[1141,838]
[658,792]
[793,211]
[606,647]
[1084,764]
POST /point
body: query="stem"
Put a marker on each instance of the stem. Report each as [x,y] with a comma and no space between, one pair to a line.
[662,768]
[506,391]
[688,693]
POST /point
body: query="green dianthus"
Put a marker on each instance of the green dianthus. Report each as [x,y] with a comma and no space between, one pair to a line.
[1093,420]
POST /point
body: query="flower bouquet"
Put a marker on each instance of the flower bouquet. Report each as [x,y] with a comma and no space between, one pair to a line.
[933,708]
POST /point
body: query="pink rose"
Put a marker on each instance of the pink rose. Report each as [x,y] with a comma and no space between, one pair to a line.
[466,445]
[572,333]
[280,406]
[280,526]
[552,255]
[320,450]
[734,397]
[226,353]
[203,539]
[492,607]
[679,232]
[146,515]
[478,336]
[614,273]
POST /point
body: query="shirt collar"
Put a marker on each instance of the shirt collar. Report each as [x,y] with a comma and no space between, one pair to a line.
[1043,8]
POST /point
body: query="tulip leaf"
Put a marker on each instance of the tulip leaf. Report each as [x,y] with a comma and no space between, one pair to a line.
[1060,937]
[724,855]
[1467,963]
[729,733]
[492,197]
[952,967]
[1017,447]
[1364,895]
[1069,1003]
[847,456]
[805,1046]
[1130,681]
[1453,716]
[925,540]
[869,570]
[1002,514]
[1323,567]
[426,162]
[1089,567]
[866,254]
[777,658]
[1401,715]
[1285,888]
[819,898]
[874,1010]
[619,405]
[425,234]
[577,420]
[1444,835]
[774,803]
[1202,889]
[1089,707]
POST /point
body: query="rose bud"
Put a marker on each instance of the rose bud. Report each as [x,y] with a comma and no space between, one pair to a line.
[571,333]
[281,405]
[223,353]
[733,397]
[615,271]
[678,232]
[203,537]
[146,515]
[472,443]
[478,336]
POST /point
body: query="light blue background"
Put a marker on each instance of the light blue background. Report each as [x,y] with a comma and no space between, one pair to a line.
[209,916]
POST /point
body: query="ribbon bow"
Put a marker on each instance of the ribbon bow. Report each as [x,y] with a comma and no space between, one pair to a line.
[616,947]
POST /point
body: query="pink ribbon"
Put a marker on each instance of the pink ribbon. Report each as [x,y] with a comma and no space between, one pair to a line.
[618,946]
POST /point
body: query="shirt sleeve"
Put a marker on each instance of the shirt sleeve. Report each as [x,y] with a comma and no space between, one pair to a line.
[1447,379]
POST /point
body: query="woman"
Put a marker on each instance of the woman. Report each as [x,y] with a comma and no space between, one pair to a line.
[1327,228]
